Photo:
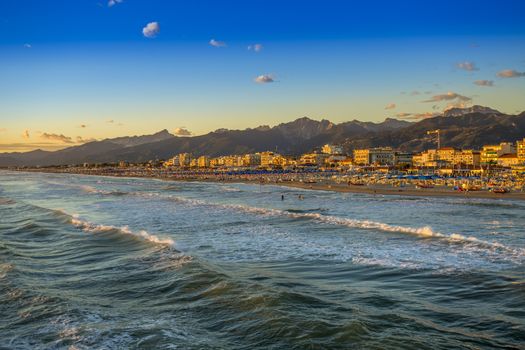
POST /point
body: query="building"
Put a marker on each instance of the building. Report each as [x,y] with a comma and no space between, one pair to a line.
[520,151]
[267,158]
[403,158]
[427,158]
[336,160]
[217,162]
[185,159]
[467,157]
[376,156]
[203,162]
[447,154]
[171,162]
[251,159]
[332,149]
[490,153]
[313,159]
[508,160]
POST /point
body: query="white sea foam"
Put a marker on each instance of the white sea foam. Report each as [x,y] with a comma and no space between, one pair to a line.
[423,232]
[91,227]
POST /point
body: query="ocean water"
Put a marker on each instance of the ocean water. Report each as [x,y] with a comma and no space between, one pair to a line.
[92,262]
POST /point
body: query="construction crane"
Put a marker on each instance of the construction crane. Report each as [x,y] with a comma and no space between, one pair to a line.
[436,132]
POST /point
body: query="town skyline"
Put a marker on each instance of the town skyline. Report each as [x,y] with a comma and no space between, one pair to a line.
[97,70]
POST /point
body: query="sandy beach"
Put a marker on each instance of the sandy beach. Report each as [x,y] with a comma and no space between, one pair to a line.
[321,184]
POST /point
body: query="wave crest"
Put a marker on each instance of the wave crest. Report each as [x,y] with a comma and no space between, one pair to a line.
[92,227]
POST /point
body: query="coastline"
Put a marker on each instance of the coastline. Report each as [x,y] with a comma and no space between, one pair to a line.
[409,191]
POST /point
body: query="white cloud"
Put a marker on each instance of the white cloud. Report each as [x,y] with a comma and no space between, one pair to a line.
[390,106]
[449,96]
[114,2]
[28,46]
[510,73]
[264,79]
[182,131]
[151,30]
[255,47]
[216,43]
[484,82]
[468,66]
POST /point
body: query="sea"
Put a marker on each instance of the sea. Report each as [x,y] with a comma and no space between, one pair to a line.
[91,262]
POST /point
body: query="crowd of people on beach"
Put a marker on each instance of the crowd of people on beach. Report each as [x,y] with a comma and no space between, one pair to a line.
[355,179]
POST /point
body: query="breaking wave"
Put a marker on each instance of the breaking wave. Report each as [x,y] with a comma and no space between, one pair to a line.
[423,232]
[87,226]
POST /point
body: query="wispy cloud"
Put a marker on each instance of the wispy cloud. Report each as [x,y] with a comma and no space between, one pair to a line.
[25,134]
[182,131]
[56,137]
[111,121]
[390,106]
[468,66]
[484,82]
[151,30]
[449,96]
[414,93]
[112,3]
[28,46]
[417,116]
[264,79]
[510,73]
[83,126]
[255,47]
[217,43]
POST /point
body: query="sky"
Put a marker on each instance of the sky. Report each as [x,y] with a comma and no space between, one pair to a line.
[76,71]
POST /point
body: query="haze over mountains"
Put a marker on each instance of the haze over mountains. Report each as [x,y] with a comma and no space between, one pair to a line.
[460,127]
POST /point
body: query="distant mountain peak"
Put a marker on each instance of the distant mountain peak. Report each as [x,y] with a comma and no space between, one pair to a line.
[457,111]
[163,132]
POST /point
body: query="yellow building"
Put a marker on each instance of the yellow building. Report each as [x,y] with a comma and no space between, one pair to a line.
[447,154]
[427,158]
[171,162]
[251,159]
[467,157]
[508,160]
[203,162]
[377,156]
[490,153]
[267,158]
[520,150]
[362,156]
[332,149]
[185,159]
[313,159]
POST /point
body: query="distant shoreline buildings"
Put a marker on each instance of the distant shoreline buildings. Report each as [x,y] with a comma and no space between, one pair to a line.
[503,155]
[444,160]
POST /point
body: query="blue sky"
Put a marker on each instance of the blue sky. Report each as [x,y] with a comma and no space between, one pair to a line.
[71,71]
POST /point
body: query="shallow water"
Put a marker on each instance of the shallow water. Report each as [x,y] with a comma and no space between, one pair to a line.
[110,263]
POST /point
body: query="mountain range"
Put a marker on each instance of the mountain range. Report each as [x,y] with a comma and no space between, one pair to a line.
[459,127]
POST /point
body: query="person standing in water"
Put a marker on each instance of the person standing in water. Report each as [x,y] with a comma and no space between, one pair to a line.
[282,197]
